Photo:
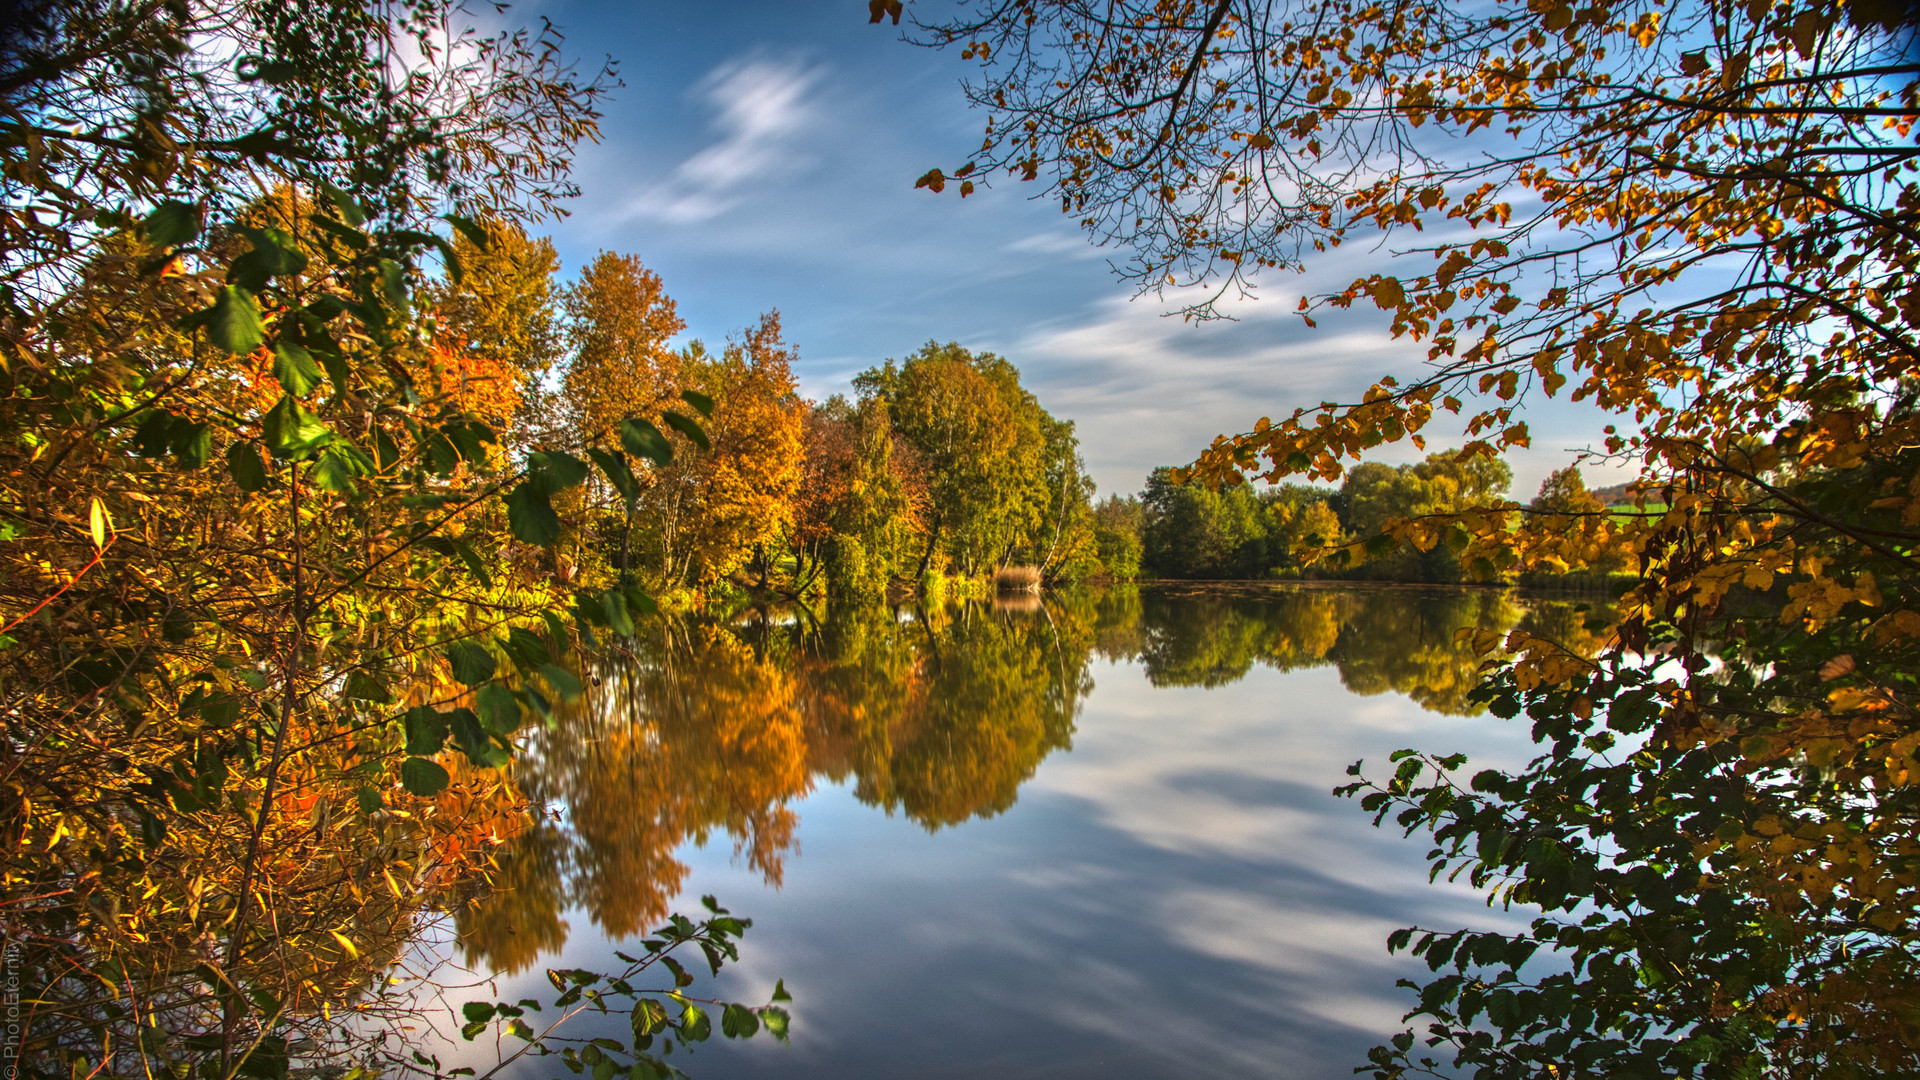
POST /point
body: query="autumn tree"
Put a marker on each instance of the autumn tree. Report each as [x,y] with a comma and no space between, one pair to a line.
[741,489]
[859,513]
[620,325]
[828,436]
[1564,506]
[505,303]
[274,603]
[1303,525]
[1697,218]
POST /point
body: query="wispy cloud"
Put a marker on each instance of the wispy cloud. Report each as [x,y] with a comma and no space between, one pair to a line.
[1148,390]
[761,107]
[1067,245]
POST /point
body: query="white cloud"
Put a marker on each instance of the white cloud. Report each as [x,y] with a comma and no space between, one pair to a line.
[1146,389]
[1065,245]
[762,105]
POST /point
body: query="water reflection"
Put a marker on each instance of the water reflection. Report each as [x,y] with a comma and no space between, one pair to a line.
[702,728]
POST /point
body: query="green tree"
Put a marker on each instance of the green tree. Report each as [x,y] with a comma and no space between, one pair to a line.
[1181,535]
[1118,522]
[862,500]
[1192,530]
[1375,496]
[1004,479]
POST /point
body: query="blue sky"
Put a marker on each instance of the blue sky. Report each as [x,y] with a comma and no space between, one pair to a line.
[762,155]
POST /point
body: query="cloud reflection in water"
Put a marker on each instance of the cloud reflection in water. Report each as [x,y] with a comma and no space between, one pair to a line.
[1107,845]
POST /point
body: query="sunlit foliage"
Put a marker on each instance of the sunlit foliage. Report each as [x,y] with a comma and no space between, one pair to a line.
[276,591]
[1004,480]
[1697,218]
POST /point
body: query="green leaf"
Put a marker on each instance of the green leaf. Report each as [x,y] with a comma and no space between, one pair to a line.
[780,990]
[233,323]
[681,977]
[498,709]
[694,1024]
[530,516]
[364,687]
[613,464]
[477,1012]
[472,664]
[615,605]
[191,443]
[469,438]
[369,800]
[273,255]
[527,647]
[426,730]
[639,603]
[564,682]
[642,439]
[441,455]
[470,229]
[738,1022]
[701,402]
[456,273]
[323,310]
[475,565]
[649,1017]
[423,777]
[346,234]
[474,740]
[293,365]
[350,211]
[172,223]
[688,427]
[292,432]
[777,1021]
[337,467]
[153,435]
[555,471]
[393,285]
[386,453]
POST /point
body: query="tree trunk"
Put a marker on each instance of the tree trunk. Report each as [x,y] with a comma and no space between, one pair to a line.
[927,557]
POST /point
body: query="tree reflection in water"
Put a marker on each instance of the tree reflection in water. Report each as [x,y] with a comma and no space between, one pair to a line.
[703,727]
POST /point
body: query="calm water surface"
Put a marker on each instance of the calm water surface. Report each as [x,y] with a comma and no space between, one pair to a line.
[1091,838]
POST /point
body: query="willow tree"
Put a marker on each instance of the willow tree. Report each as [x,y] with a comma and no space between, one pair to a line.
[1699,218]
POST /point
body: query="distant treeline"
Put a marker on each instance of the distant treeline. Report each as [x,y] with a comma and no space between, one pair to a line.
[939,470]
[940,466]
[1194,531]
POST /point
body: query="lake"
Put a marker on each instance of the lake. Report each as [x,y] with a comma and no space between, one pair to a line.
[1087,837]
